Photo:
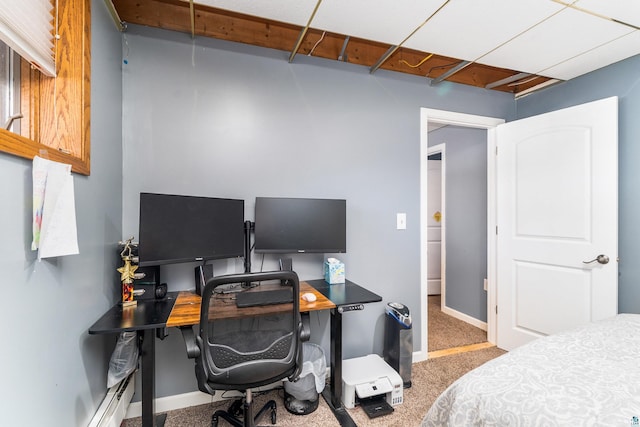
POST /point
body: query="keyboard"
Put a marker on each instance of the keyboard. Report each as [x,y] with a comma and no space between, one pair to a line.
[258,298]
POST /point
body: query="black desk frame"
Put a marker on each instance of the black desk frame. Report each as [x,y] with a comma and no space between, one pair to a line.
[149,318]
[347,297]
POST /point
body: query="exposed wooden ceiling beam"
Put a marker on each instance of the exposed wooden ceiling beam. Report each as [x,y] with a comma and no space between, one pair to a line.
[175,15]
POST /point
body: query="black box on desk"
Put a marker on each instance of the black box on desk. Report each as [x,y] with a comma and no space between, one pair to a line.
[148,280]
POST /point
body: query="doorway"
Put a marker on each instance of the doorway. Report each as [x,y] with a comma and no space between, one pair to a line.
[428,116]
[457,313]
[601,150]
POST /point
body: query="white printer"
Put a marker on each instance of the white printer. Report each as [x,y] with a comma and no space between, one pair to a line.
[370,376]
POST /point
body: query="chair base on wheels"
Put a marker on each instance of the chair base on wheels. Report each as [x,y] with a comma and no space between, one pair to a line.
[244,407]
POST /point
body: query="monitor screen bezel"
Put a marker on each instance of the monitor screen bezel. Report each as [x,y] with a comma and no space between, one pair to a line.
[338,205]
[225,251]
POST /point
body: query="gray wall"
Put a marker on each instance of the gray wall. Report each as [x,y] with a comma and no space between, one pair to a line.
[622,80]
[466,217]
[53,373]
[213,118]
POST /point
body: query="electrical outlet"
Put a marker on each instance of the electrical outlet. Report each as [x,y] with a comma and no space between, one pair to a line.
[401,221]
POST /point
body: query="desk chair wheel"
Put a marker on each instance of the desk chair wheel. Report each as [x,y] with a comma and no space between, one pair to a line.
[236,408]
[273,416]
[239,419]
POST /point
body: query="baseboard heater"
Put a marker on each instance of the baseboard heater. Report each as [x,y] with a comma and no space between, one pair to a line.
[114,406]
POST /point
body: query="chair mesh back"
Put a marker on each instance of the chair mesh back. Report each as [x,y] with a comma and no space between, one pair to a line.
[243,340]
[246,352]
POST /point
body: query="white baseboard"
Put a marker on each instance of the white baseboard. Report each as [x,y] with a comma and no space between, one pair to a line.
[465,318]
[418,356]
[186,400]
[170,403]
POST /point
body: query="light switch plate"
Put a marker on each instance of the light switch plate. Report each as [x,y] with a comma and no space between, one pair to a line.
[401,221]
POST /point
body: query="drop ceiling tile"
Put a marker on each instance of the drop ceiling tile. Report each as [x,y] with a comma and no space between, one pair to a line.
[617,50]
[295,12]
[565,35]
[627,11]
[469,29]
[386,21]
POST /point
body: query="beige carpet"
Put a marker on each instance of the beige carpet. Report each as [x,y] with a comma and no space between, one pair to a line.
[447,332]
[429,379]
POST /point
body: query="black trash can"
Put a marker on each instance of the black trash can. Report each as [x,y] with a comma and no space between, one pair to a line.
[398,340]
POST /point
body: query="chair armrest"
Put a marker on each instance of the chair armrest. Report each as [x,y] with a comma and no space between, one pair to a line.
[305,333]
[193,350]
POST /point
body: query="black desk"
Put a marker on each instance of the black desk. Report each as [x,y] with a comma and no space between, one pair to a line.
[147,317]
[151,316]
[347,297]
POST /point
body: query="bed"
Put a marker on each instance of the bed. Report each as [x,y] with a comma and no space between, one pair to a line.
[589,376]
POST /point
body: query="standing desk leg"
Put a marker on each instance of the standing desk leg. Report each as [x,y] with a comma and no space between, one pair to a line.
[333,396]
[336,358]
[148,374]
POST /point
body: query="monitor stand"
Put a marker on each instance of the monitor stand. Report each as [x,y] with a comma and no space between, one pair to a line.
[286,264]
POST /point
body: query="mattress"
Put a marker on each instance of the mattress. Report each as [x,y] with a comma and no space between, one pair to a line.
[589,376]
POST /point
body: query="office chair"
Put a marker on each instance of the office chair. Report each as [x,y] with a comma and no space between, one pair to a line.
[248,352]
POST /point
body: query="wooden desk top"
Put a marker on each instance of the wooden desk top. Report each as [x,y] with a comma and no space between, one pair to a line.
[186,310]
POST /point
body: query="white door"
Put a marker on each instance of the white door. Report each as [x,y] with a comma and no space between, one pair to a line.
[557,210]
[434,228]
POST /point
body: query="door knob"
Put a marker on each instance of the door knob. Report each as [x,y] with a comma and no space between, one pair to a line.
[602,259]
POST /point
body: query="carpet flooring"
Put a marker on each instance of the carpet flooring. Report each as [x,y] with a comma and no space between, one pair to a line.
[447,332]
[429,378]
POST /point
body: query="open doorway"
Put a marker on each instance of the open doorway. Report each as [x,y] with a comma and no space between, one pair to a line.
[457,300]
[429,116]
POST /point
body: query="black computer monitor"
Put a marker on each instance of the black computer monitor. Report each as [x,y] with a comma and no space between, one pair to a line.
[300,225]
[176,228]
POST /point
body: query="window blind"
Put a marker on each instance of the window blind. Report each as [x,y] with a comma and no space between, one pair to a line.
[27,27]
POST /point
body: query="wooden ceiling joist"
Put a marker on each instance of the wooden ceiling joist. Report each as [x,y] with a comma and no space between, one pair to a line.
[207,21]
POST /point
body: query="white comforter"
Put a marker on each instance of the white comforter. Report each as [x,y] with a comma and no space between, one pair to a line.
[589,376]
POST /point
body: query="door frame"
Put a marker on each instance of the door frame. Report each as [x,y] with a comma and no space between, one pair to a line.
[473,121]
